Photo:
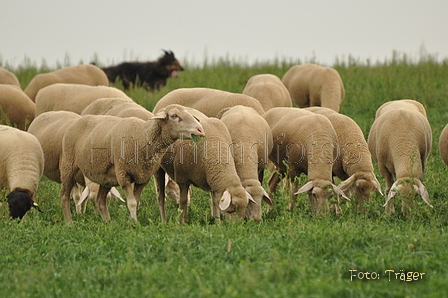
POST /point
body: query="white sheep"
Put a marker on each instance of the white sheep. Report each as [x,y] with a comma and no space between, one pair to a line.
[354,164]
[400,141]
[22,165]
[304,142]
[16,108]
[119,107]
[252,144]
[73,97]
[209,165]
[208,101]
[443,144]
[49,128]
[114,151]
[87,74]
[314,85]
[9,78]
[269,90]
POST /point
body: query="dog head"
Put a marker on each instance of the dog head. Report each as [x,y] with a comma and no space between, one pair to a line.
[171,64]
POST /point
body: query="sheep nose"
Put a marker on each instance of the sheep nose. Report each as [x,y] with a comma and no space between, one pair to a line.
[200,131]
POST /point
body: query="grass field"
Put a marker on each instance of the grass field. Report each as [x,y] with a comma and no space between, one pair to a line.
[290,254]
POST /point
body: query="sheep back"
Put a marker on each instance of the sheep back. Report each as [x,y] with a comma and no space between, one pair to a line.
[17,109]
[119,107]
[8,78]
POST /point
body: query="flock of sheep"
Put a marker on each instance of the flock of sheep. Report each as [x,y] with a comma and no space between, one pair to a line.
[71,127]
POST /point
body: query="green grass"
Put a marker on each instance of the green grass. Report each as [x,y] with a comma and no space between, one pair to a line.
[290,254]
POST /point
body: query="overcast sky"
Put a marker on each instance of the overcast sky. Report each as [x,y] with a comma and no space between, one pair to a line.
[242,30]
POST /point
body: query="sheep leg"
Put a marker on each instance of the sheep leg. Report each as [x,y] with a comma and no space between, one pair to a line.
[101,202]
[65,200]
[390,207]
[76,195]
[294,189]
[159,178]
[274,181]
[215,197]
[131,200]
[183,203]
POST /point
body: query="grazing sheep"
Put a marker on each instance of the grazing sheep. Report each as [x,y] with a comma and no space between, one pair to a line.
[269,90]
[304,142]
[8,78]
[208,101]
[119,107]
[49,129]
[16,108]
[313,85]
[251,148]
[207,164]
[443,144]
[114,151]
[73,97]
[87,74]
[400,141]
[354,164]
[22,165]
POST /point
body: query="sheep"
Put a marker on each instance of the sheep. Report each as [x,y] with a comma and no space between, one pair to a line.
[208,101]
[400,141]
[269,90]
[73,97]
[49,129]
[22,164]
[354,164]
[304,142]
[8,78]
[313,85]
[119,107]
[443,144]
[87,74]
[114,151]
[209,165]
[17,109]
[251,148]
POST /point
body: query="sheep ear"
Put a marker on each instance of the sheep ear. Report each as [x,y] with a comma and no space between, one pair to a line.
[115,193]
[307,187]
[421,190]
[85,194]
[160,115]
[392,192]
[249,197]
[377,185]
[225,201]
[338,191]
[267,199]
[222,112]
[345,185]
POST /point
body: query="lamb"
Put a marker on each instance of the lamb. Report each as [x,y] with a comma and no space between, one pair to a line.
[73,97]
[22,164]
[114,151]
[119,107]
[208,165]
[87,74]
[269,90]
[251,148]
[400,141]
[8,78]
[354,164]
[304,142]
[314,85]
[16,108]
[49,129]
[208,101]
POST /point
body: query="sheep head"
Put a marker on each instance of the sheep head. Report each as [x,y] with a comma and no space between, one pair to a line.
[20,201]
[234,202]
[408,192]
[361,184]
[320,192]
[258,194]
[178,122]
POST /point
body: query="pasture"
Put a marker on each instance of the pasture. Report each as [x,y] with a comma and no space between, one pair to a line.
[290,254]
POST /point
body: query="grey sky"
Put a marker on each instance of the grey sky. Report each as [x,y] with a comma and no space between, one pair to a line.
[242,30]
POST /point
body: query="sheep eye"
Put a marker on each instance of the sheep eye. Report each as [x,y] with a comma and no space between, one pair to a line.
[174,116]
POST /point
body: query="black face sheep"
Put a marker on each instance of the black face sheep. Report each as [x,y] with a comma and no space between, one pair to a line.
[73,97]
[209,165]
[22,164]
[400,141]
[252,144]
[114,151]
[8,78]
[208,101]
[314,85]
[16,108]
[354,164]
[304,142]
[269,90]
